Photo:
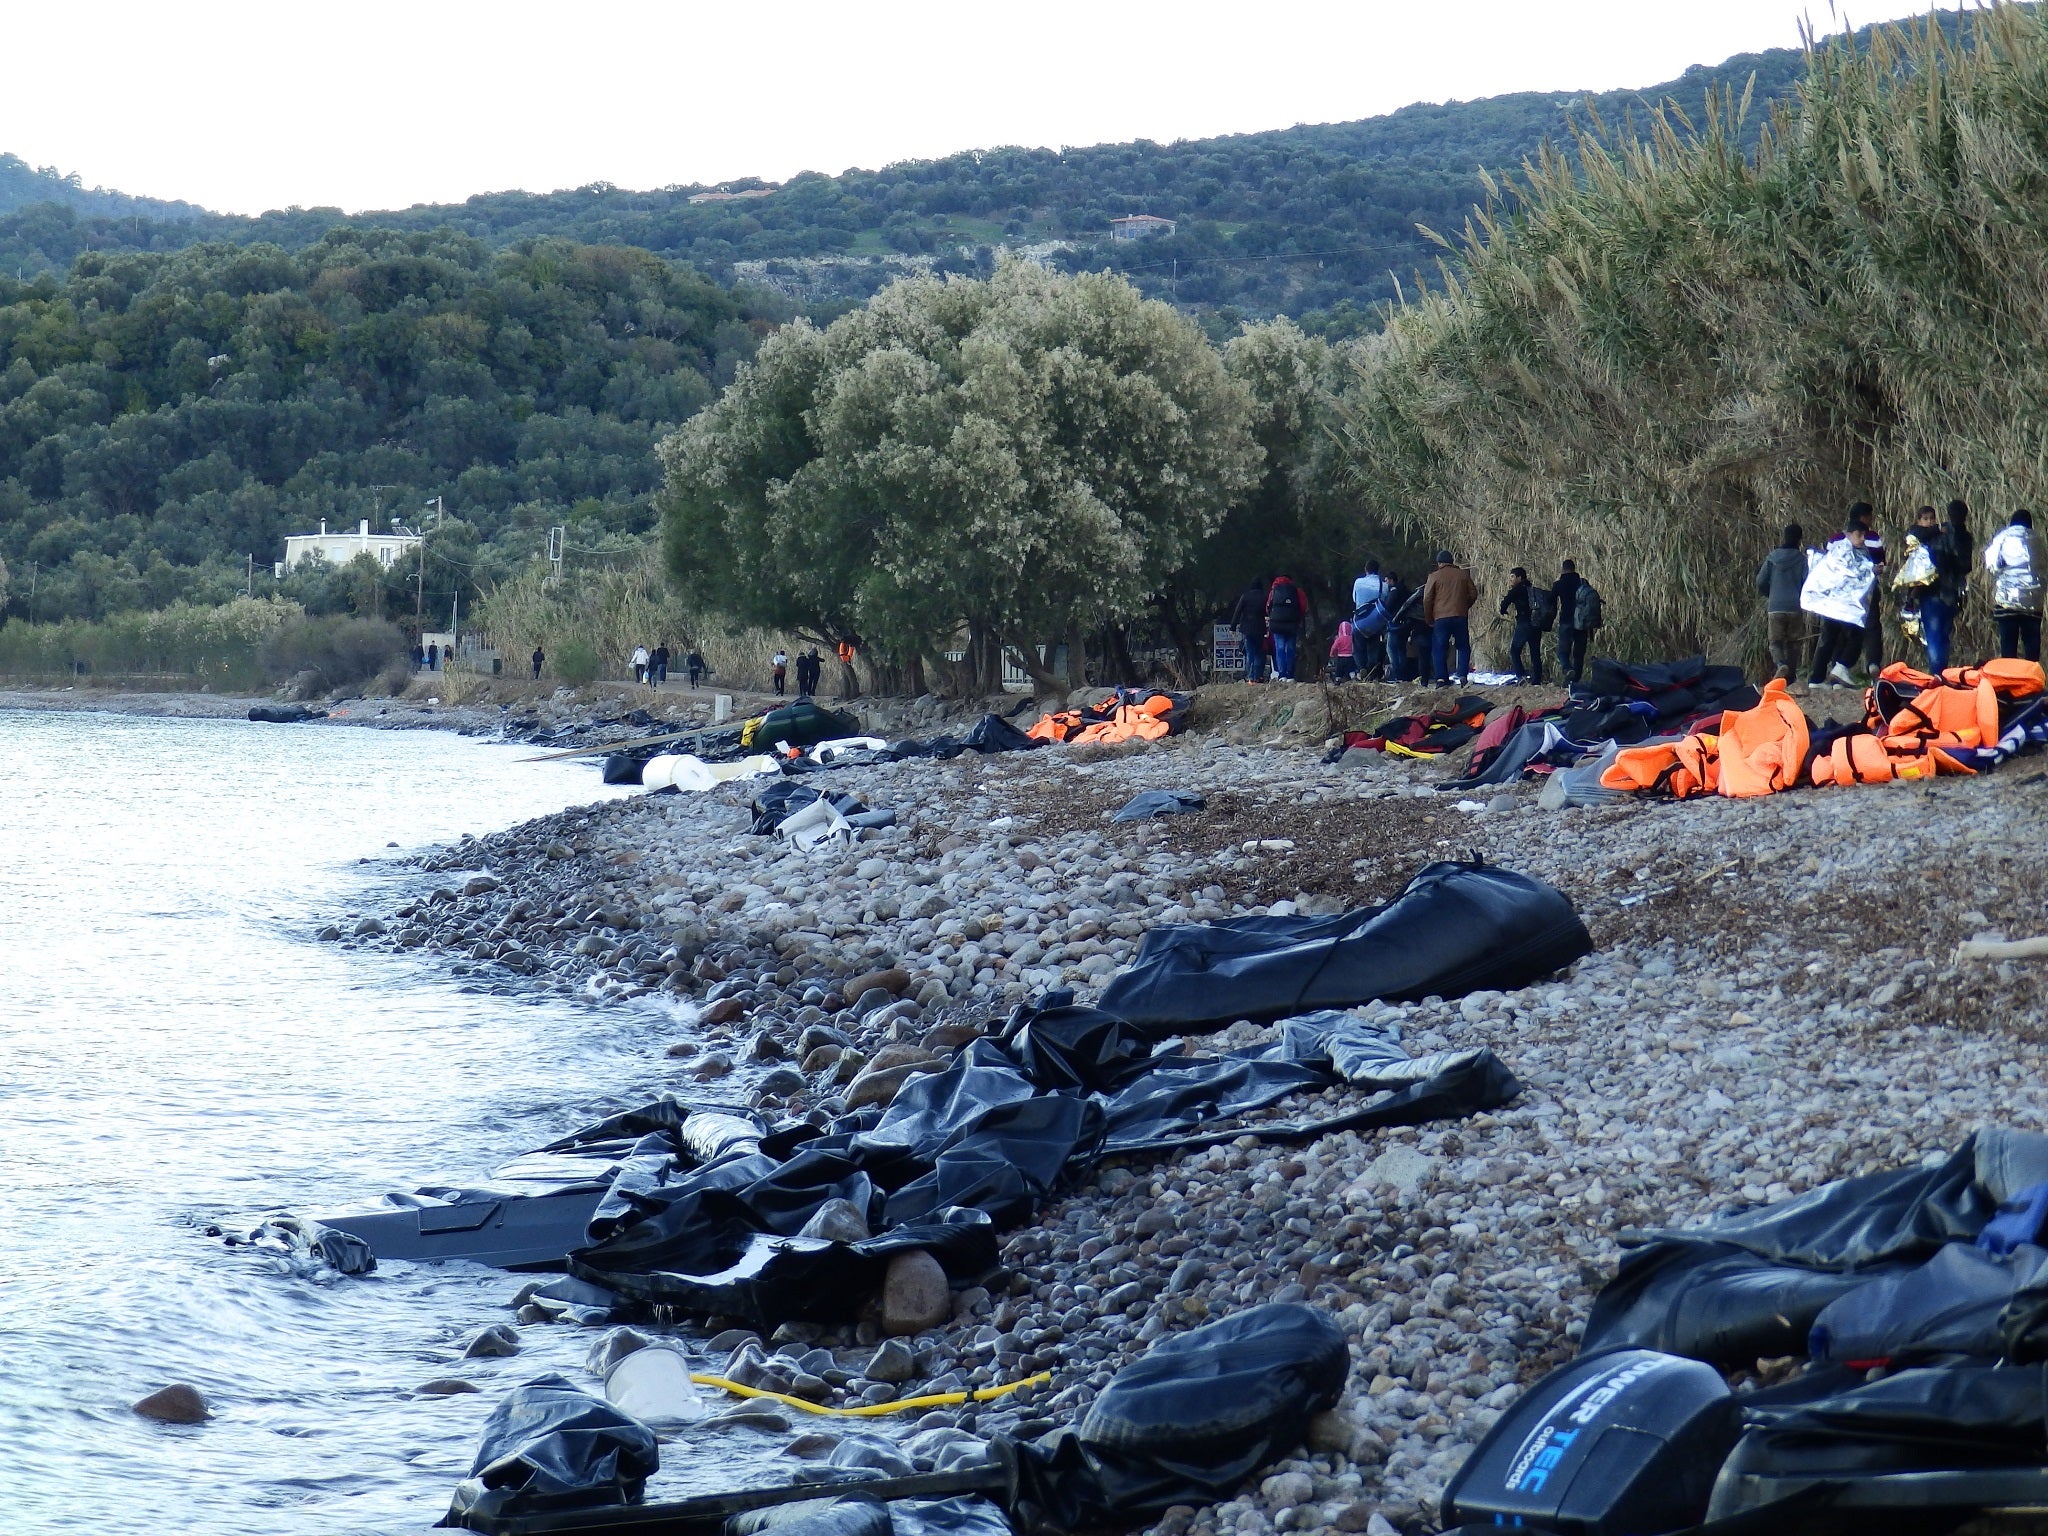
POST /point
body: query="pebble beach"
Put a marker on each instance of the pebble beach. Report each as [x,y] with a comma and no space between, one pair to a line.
[1773,1002]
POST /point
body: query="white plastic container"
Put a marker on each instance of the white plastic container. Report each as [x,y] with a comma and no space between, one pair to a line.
[653,1385]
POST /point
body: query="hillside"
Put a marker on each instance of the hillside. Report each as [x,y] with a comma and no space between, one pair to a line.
[163,418]
[22,185]
[1304,220]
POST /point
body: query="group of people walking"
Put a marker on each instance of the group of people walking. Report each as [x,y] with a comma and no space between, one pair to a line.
[651,666]
[1423,633]
[1834,596]
[810,668]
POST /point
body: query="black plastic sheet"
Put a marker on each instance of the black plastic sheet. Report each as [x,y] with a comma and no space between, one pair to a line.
[1187,1423]
[550,1445]
[1753,1283]
[1456,928]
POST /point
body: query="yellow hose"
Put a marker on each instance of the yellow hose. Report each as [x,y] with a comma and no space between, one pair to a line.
[875,1410]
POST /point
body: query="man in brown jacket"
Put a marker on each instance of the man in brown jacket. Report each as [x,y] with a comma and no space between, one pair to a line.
[1447,599]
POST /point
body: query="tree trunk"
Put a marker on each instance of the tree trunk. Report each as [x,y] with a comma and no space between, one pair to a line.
[1116,643]
[1045,683]
[1077,655]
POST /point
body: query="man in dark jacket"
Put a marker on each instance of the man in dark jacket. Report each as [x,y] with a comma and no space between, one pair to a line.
[1525,646]
[1248,618]
[1778,582]
[1286,610]
[1571,644]
[1952,550]
[1407,647]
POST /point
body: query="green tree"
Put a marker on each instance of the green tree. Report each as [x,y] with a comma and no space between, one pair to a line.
[1018,459]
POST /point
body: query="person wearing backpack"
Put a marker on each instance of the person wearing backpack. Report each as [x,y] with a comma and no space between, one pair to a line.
[1285,609]
[1248,618]
[2015,559]
[1372,614]
[1778,581]
[1588,619]
[1406,660]
[1571,646]
[1447,599]
[1951,548]
[1525,648]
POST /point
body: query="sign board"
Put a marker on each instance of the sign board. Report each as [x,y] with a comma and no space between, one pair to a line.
[1226,651]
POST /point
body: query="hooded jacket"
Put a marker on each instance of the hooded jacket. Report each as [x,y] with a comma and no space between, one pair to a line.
[2014,559]
[1779,579]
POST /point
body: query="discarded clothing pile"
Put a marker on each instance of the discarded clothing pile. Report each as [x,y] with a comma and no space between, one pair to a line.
[1629,702]
[1915,726]
[1128,714]
[1189,1422]
[810,818]
[1938,1275]
[1427,735]
[1146,804]
[990,734]
[712,1212]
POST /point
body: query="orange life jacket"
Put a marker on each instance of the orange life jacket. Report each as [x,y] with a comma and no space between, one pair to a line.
[1061,726]
[1680,769]
[1763,749]
[1145,720]
[1949,713]
[1854,759]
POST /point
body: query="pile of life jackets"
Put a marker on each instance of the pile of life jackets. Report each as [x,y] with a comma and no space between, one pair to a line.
[1427,735]
[1915,726]
[1130,714]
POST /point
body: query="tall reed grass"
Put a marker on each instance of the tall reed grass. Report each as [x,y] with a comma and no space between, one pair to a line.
[226,647]
[606,613]
[1650,354]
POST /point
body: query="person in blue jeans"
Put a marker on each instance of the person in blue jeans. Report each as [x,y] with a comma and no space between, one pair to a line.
[1248,618]
[1951,548]
[1447,599]
[1286,610]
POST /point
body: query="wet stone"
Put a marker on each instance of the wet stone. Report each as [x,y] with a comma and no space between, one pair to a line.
[494,1342]
[175,1404]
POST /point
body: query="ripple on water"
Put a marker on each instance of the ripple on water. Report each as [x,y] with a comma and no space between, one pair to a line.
[175,1051]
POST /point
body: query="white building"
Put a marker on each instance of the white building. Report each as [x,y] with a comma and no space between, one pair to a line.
[1140,226]
[340,548]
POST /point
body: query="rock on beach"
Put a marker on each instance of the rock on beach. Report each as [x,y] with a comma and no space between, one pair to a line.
[1752,1025]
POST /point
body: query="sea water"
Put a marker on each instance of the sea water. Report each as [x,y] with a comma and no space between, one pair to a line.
[178,1052]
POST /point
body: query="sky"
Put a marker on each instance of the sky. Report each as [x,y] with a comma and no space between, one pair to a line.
[372,104]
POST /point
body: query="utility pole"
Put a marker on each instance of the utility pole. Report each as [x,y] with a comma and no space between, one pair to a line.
[31,591]
[249,581]
[557,537]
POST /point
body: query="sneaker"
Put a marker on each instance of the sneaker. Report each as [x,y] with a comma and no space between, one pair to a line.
[1841,676]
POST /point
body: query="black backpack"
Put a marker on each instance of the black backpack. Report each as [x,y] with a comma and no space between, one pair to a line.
[1542,609]
[1586,615]
[1284,603]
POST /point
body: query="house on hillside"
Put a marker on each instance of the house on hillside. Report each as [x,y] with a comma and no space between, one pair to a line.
[340,548]
[730,197]
[1140,226]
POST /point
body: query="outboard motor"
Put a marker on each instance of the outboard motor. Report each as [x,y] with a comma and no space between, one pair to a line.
[1624,1442]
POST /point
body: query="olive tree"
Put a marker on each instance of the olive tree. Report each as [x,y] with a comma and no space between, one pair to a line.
[1014,459]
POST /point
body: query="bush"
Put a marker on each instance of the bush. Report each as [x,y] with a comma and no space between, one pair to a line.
[345,654]
[574,663]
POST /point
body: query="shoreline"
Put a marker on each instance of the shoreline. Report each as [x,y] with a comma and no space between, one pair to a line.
[1768,1007]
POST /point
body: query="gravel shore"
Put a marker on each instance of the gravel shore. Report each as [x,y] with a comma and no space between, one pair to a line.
[1771,1005]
